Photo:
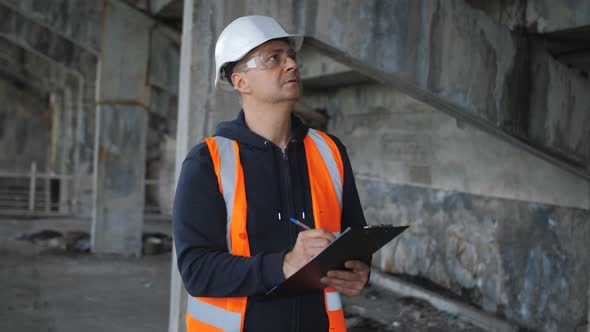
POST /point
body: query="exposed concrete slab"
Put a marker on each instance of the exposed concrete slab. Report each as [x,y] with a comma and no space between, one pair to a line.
[83,293]
[166,8]
[560,108]
[393,137]
[544,16]
[77,21]
[320,71]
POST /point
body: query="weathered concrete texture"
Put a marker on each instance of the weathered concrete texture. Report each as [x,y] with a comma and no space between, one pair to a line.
[510,13]
[25,120]
[83,293]
[394,137]
[457,54]
[123,75]
[561,102]
[161,157]
[164,60]
[523,260]
[120,170]
[42,42]
[75,20]
[320,71]
[544,16]
[122,124]
[163,80]
[28,33]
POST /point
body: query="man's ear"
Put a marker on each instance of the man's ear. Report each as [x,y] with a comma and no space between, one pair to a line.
[240,82]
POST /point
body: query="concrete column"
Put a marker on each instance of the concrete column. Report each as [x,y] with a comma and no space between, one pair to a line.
[200,107]
[178,295]
[121,128]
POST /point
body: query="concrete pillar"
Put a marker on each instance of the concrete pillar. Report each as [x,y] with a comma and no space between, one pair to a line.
[121,126]
[178,296]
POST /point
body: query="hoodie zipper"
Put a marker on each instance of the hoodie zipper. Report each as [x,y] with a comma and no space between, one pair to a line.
[288,190]
[290,213]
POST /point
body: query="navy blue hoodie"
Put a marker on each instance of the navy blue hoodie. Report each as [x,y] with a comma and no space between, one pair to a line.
[277,188]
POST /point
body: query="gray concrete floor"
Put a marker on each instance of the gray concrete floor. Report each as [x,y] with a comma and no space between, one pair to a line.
[51,290]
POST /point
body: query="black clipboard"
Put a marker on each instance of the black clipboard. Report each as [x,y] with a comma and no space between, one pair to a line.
[352,244]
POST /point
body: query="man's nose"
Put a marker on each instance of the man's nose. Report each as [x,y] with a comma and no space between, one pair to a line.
[290,63]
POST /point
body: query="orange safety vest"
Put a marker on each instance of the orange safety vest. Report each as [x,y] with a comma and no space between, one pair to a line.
[326,173]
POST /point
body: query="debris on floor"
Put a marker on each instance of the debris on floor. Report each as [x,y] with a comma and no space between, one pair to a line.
[79,241]
[156,243]
[378,310]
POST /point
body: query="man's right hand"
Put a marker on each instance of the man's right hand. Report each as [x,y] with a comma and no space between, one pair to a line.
[309,243]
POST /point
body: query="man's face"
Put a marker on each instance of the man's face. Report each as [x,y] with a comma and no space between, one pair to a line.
[271,72]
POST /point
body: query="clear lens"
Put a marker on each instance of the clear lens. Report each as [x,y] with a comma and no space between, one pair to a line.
[267,59]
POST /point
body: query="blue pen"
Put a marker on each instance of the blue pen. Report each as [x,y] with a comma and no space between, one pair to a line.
[299,223]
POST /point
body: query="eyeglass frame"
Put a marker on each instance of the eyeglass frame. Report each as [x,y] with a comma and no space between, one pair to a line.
[259,60]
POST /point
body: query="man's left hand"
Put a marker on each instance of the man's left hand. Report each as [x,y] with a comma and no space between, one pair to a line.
[349,283]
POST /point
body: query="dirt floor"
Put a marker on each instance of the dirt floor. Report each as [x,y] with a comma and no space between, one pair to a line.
[48,288]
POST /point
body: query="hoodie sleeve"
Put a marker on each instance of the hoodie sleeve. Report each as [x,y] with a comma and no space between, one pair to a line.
[199,223]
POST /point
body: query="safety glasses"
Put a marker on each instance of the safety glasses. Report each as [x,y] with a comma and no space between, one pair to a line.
[267,59]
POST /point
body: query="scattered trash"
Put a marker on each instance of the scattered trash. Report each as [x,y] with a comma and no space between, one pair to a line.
[79,241]
[156,243]
[372,293]
[449,316]
[75,241]
[357,310]
[396,323]
[152,246]
[41,236]
[353,321]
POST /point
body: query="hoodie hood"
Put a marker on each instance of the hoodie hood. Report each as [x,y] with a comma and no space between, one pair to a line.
[237,130]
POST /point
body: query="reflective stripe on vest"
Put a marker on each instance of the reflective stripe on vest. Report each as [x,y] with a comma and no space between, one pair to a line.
[225,314]
[326,177]
[326,182]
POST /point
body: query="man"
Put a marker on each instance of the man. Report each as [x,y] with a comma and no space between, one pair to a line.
[238,190]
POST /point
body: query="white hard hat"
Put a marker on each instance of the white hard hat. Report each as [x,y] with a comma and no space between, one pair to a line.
[243,35]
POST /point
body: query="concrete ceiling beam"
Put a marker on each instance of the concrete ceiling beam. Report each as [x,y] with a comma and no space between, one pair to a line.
[545,16]
[76,21]
[166,8]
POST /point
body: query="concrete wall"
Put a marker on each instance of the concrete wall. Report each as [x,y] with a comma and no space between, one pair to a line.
[64,37]
[545,15]
[25,127]
[490,222]
[446,53]
[161,145]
